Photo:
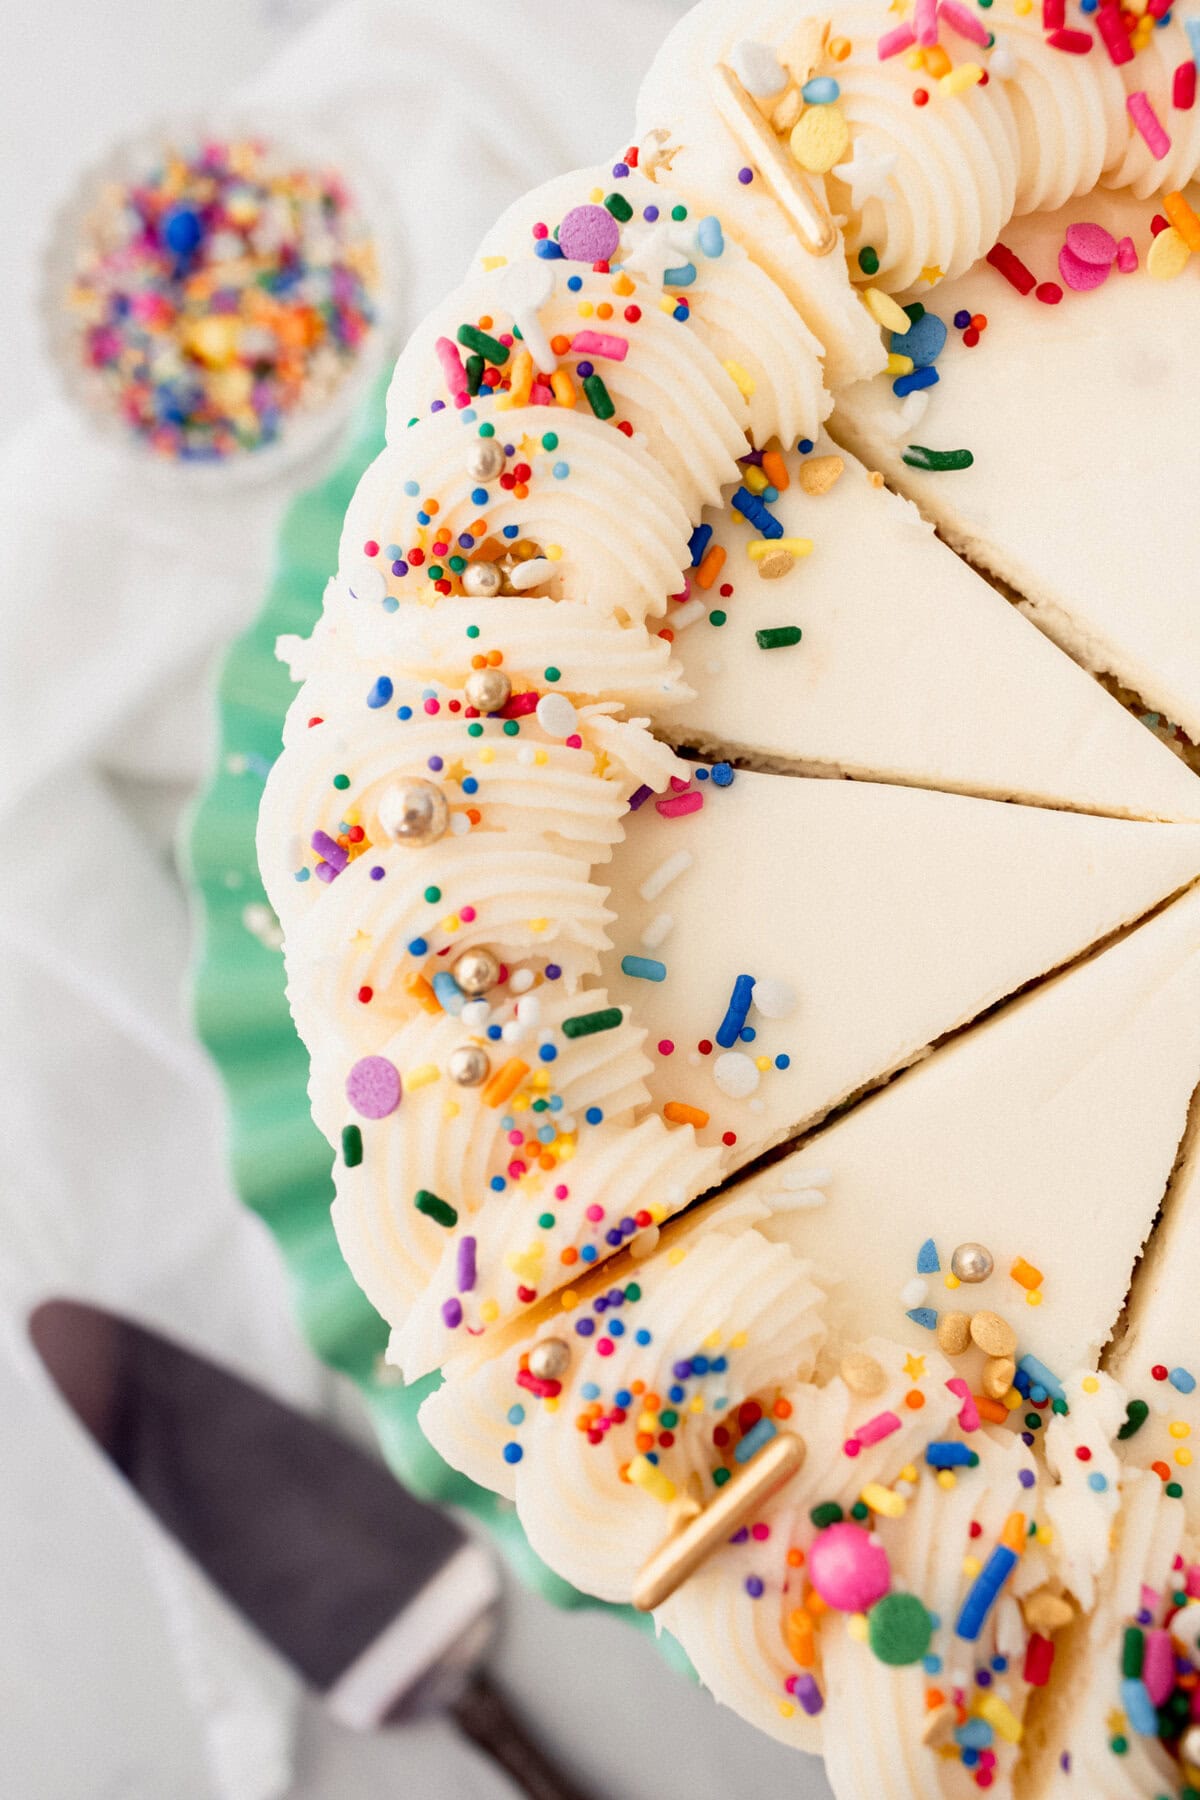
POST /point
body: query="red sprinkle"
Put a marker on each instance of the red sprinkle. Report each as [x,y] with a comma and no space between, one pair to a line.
[1039,1659]
[1075,43]
[920,97]
[366,995]
[1184,90]
[1009,264]
[1049,293]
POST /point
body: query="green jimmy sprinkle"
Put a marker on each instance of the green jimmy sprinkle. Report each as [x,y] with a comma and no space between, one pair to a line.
[471,338]
[777,637]
[584,1024]
[918,456]
[440,1211]
[351,1146]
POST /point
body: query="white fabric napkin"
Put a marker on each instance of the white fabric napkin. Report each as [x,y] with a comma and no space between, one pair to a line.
[118,597]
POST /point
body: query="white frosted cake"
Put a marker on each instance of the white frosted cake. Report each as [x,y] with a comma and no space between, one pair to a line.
[737,845]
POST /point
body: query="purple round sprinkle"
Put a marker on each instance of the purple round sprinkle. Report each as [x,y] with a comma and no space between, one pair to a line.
[378,872]
[745,176]
[373,1087]
[552,971]
[584,369]
[620,171]
[754,1586]
[1026,1478]
[650,213]
[961,320]
[585,1327]
[452,1313]
[588,234]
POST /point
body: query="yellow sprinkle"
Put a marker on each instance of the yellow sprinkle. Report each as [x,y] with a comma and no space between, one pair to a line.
[652,1480]
[786,1709]
[554,552]
[1044,1535]
[899,365]
[585,309]
[450,1109]
[971,1566]
[759,548]
[857,1627]
[676,1256]
[712,1341]
[820,138]
[1012,1400]
[960,79]
[1090,1385]
[744,382]
[1001,1717]
[762,1064]
[946,1478]
[1168,255]
[882,1500]
[738,1341]
[1034,1297]
[596,195]
[568,1299]
[550,1403]
[647,1421]
[421,1076]
[538,924]
[883,309]
[1179,1428]
[1183,1458]
[915,59]
[696,1404]
[451,922]
[909,1472]
[493,262]
[952,1281]
[489,1311]
[657,1211]
[487,754]
[623,285]
[541,758]
[541,1081]
[667,303]
[754,479]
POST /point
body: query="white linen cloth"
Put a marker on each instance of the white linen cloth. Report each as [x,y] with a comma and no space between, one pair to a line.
[117,598]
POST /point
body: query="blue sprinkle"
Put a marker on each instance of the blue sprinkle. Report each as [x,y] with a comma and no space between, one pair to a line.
[547,1053]
[590,1391]
[755,1438]
[728,1030]
[641,1337]
[683,276]
[470,785]
[932,1665]
[822,90]
[1044,1377]
[974,1734]
[769,494]
[512,531]
[924,1316]
[710,236]
[497,1184]
[390,603]
[547,249]
[622,1397]
[924,341]
[561,470]
[783,1060]
[449,993]
[984,1590]
[682,313]
[589,1253]
[380,693]
[479,496]
[516,1415]
[1183,1380]
[928,1262]
[513,1453]
[747,1034]
[912,384]
[1139,1708]
[1192,27]
[412,487]
[303,874]
[950,1454]
[1098,1482]
[495,1033]
[804,446]
[753,509]
[722,775]
[593,1115]
[616,1327]
[404,712]
[644,968]
[417,946]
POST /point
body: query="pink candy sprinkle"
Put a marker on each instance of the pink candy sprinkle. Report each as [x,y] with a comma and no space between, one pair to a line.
[965,23]
[926,22]
[1127,256]
[561,1191]
[1148,123]
[677,806]
[1158,1666]
[595,1214]
[600,343]
[1081,276]
[1092,244]
[968,1415]
[895,42]
[878,1428]
[452,366]
[604,1346]
[851,1447]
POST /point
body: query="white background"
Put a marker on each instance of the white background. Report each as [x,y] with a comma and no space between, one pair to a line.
[120,1679]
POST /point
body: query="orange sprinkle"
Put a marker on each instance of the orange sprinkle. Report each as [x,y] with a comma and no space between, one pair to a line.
[839,48]
[1183,218]
[563,388]
[604,310]
[419,989]
[582,1421]
[979,321]
[1013,1535]
[652,1402]
[495,658]
[800,1637]
[623,1471]
[431,506]
[937,63]
[679,1114]
[504,1082]
[637,1387]
[795,1557]
[1161,1470]
[775,470]
[644,1440]
[782,1408]
[546,1161]
[560,343]
[934,1698]
[1026,1274]
[569,1255]
[991,1410]
[479,662]
[711,565]
[914,1400]
[486,322]
[814,1603]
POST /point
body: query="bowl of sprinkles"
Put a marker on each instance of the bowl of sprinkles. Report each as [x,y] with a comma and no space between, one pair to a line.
[218,298]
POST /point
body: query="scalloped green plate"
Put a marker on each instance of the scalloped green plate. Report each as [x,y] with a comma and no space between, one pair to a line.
[280,1162]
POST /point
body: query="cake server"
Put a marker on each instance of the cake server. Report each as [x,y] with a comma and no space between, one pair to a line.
[382,1604]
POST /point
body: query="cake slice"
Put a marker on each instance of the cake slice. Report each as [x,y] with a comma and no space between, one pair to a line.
[1048,1134]
[1078,417]
[910,668]
[788,942]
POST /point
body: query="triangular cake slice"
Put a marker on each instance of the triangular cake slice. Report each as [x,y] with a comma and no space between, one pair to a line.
[1079,417]
[908,668]
[786,943]
[1047,1134]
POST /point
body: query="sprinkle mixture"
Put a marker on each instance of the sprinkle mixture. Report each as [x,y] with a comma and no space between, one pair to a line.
[218,293]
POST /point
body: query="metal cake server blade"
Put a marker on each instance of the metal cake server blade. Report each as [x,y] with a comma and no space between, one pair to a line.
[383,1604]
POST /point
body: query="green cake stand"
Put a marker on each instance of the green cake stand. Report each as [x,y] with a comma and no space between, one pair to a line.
[281,1164]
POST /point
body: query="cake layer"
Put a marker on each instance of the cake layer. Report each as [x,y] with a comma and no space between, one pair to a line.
[846,926]
[1047,1134]
[910,667]
[1079,418]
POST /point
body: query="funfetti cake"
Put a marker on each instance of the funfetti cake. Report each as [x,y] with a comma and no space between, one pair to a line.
[583,919]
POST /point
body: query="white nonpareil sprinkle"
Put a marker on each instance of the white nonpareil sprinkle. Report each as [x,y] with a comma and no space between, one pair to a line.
[914,1292]
[736,1074]
[774,999]
[688,614]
